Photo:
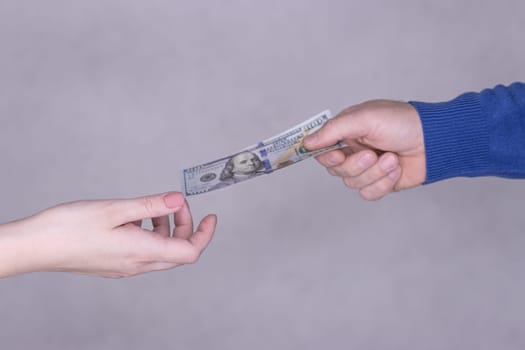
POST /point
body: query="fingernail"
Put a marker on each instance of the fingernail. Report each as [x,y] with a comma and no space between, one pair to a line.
[366,160]
[388,163]
[172,200]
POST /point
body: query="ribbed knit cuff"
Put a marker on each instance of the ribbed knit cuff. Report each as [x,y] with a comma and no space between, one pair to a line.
[456,137]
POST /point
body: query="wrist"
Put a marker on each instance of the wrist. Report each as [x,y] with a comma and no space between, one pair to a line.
[19,251]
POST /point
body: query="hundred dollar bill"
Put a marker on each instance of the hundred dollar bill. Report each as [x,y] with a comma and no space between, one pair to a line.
[262,158]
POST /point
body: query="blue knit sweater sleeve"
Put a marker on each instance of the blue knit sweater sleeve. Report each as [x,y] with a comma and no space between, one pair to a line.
[475,134]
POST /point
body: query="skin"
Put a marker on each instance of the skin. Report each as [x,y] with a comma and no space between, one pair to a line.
[104,238]
[385,152]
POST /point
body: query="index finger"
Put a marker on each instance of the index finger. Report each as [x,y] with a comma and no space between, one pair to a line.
[342,127]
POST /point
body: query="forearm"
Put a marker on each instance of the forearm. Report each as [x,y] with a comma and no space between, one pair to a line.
[476,134]
[19,252]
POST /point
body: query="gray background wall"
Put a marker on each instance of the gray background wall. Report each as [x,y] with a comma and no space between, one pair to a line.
[102,99]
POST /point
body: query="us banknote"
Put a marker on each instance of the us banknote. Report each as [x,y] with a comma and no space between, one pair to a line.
[262,158]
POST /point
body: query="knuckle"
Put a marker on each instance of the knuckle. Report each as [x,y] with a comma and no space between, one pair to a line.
[361,140]
[193,256]
[351,170]
[386,185]
[112,209]
[378,190]
[148,206]
[331,171]
[397,187]
[330,127]
[349,182]
[370,194]
[359,182]
[376,194]
[328,160]
[364,193]
[339,171]
[330,124]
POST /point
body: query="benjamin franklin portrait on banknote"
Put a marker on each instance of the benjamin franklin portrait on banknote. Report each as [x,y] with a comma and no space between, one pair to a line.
[240,167]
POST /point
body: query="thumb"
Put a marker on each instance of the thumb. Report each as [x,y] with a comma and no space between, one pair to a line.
[343,127]
[152,206]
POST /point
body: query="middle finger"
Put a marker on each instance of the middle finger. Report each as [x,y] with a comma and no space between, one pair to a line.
[356,164]
[387,163]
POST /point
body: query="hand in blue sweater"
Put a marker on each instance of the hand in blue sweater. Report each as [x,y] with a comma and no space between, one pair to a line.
[397,145]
